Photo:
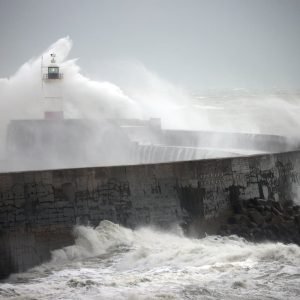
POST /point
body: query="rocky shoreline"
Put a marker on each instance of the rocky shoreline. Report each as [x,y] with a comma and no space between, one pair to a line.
[260,220]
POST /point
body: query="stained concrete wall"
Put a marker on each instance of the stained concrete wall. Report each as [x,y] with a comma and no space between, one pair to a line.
[38,209]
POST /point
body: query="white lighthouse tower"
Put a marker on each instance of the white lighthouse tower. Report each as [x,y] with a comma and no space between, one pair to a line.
[52,89]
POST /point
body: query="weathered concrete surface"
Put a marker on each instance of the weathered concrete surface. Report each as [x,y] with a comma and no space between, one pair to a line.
[38,209]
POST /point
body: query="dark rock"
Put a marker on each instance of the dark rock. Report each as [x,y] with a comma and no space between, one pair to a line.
[244,219]
[289,211]
[297,220]
[254,201]
[269,234]
[276,220]
[241,230]
[269,203]
[250,205]
[260,208]
[275,229]
[223,227]
[278,206]
[260,220]
[296,209]
[232,220]
[288,218]
[287,203]
[234,227]
[258,235]
[268,217]
[268,207]
[276,211]
[256,217]
[261,202]
[238,207]
[290,224]
[252,225]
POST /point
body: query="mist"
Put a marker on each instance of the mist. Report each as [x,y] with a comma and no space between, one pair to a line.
[139,94]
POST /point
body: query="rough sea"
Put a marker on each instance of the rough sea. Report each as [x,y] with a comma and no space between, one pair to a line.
[113,262]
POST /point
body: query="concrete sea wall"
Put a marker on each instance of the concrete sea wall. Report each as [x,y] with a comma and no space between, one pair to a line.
[39,208]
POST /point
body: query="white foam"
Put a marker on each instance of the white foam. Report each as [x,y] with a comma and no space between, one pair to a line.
[113,262]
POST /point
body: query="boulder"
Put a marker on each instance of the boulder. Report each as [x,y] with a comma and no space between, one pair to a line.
[268,216]
[276,211]
[289,211]
[276,220]
[297,220]
[232,220]
[296,209]
[278,206]
[256,217]
[252,225]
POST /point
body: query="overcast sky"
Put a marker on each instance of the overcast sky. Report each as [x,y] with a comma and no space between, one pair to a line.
[194,43]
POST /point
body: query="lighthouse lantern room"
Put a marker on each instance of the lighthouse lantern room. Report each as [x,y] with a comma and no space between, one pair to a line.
[53,73]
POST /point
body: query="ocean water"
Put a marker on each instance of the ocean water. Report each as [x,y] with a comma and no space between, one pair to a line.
[113,262]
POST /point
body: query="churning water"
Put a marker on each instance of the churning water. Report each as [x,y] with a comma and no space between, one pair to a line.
[113,262]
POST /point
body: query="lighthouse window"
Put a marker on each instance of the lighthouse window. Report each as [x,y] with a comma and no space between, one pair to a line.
[53,73]
[53,70]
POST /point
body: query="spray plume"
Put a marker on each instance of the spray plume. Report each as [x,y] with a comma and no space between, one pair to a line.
[147,96]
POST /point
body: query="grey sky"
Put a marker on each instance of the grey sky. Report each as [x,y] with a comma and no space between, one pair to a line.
[195,43]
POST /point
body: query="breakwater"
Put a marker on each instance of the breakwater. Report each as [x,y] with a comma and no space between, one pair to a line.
[38,209]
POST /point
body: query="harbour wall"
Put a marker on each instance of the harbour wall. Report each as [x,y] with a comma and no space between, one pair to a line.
[38,209]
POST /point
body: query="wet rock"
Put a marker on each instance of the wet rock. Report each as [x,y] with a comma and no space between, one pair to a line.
[260,208]
[260,220]
[255,201]
[268,207]
[238,284]
[276,220]
[289,211]
[256,217]
[276,211]
[232,220]
[268,217]
[288,218]
[296,209]
[238,207]
[252,225]
[234,228]
[239,219]
[244,219]
[258,235]
[223,227]
[278,206]
[297,220]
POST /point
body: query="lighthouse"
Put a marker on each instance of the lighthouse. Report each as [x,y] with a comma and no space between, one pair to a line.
[52,89]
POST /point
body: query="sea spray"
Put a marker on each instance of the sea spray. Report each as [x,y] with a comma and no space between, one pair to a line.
[150,246]
[141,94]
